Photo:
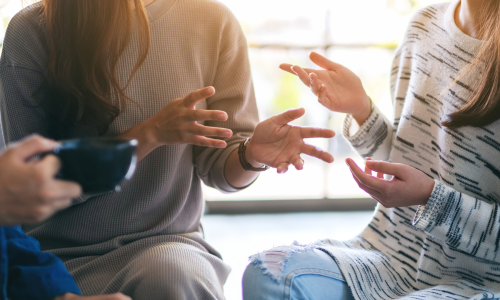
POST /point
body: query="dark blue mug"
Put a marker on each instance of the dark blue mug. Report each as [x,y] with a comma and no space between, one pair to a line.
[99,165]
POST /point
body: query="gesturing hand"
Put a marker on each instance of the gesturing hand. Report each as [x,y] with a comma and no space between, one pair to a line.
[277,144]
[28,191]
[408,187]
[337,87]
[177,123]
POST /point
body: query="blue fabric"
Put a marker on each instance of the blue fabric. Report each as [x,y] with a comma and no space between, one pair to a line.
[29,273]
[308,275]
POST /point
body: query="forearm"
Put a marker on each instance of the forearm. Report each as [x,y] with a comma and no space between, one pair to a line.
[462,221]
[236,175]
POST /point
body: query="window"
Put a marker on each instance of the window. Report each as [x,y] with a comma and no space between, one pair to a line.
[360,34]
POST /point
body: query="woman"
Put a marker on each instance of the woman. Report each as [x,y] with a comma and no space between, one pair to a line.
[85,68]
[429,239]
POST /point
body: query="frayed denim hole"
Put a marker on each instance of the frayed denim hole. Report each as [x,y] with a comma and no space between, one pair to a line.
[273,261]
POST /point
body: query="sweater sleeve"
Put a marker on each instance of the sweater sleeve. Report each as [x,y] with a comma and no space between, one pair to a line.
[374,137]
[464,223]
[234,95]
[34,274]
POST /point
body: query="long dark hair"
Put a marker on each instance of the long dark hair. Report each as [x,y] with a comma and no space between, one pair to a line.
[484,106]
[86,39]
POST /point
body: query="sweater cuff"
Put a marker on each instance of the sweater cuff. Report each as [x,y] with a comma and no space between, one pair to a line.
[218,171]
[425,217]
[369,138]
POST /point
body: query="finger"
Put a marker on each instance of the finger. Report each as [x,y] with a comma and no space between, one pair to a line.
[288,68]
[316,152]
[303,75]
[322,98]
[207,115]
[387,168]
[373,193]
[61,204]
[368,170]
[323,62]
[380,175]
[288,116]
[198,95]
[31,146]
[59,190]
[315,86]
[365,179]
[283,168]
[312,132]
[298,163]
[207,142]
[201,130]
[49,166]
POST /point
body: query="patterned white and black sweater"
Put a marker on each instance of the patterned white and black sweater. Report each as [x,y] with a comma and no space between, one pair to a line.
[451,249]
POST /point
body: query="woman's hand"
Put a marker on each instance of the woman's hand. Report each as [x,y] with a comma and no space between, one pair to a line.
[277,144]
[177,124]
[337,87]
[117,296]
[28,191]
[408,187]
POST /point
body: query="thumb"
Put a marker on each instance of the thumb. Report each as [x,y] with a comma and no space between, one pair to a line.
[288,116]
[31,146]
[323,62]
[386,168]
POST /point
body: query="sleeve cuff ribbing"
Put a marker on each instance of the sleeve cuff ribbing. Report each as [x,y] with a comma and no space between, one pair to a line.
[426,216]
[374,137]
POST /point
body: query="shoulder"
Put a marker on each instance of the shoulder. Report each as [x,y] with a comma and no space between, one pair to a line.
[210,10]
[429,16]
[25,40]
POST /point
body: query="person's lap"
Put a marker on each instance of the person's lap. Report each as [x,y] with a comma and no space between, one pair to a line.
[307,275]
[153,270]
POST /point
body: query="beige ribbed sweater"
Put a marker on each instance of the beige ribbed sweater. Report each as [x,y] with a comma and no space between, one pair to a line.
[146,240]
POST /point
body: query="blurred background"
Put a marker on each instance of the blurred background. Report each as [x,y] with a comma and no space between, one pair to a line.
[360,34]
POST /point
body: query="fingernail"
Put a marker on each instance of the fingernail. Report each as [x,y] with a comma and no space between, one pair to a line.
[227,134]
[222,116]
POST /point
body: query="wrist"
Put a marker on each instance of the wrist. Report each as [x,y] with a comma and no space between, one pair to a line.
[365,113]
[250,157]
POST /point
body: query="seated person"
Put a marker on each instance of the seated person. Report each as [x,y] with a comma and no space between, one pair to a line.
[128,78]
[436,231]
[29,193]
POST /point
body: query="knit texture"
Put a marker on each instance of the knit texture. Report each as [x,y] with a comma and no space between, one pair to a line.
[147,239]
[451,249]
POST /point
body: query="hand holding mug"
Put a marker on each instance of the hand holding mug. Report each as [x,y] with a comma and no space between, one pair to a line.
[177,123]
[337,87]
[277,144]
[28,191]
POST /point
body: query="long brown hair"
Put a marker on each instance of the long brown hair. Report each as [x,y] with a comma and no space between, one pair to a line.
[484,106]
[86,39]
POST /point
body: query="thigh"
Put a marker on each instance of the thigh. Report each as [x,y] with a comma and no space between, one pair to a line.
[307,275]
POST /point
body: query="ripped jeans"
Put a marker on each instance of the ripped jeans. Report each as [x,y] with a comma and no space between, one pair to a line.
[292,273]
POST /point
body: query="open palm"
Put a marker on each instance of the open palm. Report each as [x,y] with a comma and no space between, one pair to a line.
[277,144]
[337,87]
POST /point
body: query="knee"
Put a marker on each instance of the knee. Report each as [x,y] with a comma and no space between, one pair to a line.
[180,275]
[257,284]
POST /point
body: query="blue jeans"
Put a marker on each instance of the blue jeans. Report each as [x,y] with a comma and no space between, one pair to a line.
[307,275]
